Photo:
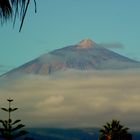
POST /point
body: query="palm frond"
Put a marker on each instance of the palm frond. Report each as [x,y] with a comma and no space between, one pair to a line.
[10,9]
[112,129]
[5,10]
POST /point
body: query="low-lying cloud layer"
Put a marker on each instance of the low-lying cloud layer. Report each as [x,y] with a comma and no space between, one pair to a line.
[75,99]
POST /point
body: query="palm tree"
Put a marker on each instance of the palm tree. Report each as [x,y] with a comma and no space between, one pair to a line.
[10,9]
[114,131]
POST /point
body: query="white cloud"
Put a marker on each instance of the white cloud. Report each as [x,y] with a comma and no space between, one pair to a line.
[51,101]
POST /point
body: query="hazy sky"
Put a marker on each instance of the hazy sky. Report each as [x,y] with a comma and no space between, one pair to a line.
[59,23]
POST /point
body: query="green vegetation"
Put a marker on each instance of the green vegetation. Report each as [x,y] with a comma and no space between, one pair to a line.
[114,131]
[10,129]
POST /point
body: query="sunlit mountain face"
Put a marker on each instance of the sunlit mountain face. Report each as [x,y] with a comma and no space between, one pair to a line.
[86,55]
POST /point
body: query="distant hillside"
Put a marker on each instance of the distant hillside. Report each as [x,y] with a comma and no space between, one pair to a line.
[64,134]
[69,134]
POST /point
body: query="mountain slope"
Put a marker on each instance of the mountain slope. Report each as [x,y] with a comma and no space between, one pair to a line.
[87,55]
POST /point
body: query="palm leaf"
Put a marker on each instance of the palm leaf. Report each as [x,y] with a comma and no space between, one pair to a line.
[5,10]
[10,9]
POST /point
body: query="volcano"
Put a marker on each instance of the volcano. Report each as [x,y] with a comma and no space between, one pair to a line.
[86,55]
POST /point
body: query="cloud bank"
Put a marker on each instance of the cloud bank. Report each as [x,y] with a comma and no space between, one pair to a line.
[75,99]
[115,45]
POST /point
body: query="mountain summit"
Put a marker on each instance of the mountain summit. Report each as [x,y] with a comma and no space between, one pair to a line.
[86,55]
[85,43]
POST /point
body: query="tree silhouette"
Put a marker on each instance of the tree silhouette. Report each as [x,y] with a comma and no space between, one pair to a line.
[11,9]
[114,131]
[10,129]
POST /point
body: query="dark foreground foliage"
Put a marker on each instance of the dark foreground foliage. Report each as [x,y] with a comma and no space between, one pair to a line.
[11,9]
[11,129]
[114,131]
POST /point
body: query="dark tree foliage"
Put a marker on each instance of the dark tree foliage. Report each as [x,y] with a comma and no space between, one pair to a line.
[11,9]
[114,131]
[9,129]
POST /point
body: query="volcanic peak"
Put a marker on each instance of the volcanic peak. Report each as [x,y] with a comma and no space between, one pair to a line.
[85,43]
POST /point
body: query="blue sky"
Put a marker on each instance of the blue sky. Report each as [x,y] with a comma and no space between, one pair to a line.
[59,23]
